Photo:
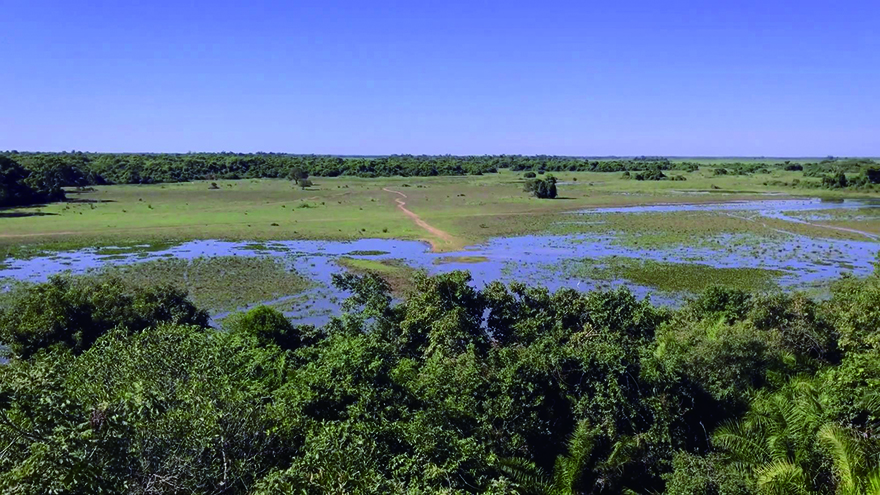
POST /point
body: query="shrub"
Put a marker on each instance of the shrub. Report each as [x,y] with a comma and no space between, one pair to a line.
[74,312]
[268,325]
[541,188]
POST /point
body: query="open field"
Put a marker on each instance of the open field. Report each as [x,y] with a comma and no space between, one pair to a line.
[469,209]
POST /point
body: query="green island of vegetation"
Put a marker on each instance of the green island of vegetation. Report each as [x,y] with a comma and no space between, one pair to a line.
[217,283]
[396,273]
[673,277]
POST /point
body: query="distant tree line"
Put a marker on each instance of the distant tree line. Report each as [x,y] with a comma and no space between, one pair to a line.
[27,178]
[652,174]
[79,169]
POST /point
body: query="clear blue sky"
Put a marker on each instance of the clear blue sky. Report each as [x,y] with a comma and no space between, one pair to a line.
[769,77]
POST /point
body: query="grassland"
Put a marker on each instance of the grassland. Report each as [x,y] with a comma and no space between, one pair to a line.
[448,212]
[470,209]
[223,283]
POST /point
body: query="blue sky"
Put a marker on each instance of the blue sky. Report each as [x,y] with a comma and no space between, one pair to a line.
[773,78]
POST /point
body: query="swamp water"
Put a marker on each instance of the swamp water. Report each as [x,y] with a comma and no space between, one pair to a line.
[806,262]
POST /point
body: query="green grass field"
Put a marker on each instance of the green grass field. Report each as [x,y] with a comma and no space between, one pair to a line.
[470,209]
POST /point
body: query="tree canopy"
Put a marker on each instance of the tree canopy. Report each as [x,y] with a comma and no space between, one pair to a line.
[451,389]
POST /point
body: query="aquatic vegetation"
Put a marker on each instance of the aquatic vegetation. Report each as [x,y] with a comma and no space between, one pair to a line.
[672,277]
[394,271]
[461,259]
[122,249]
[218,283]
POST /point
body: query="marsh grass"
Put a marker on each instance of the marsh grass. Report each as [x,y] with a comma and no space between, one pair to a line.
[222,283]
[460,259]
[657,230]
[673,277]
[862,219]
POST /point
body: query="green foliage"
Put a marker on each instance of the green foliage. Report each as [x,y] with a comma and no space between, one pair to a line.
[505,389]
[19,187]
[268,326]
[541,188]
[727,303]
[50,171]
[704,475]
[73,312]
[297,174]
[855,310]
[169,410]
[789,443]
[652,174]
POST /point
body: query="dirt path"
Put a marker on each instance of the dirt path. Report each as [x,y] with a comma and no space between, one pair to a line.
[401,204]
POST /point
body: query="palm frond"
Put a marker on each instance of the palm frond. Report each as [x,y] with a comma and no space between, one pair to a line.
[872,483]
[581,443]
[781,478]
[745,444]
[623,451]
[565,474]
[846,456]
[871,402]
[530,479]
[569,469]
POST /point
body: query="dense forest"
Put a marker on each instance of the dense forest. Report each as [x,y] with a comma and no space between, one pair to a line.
[111,388]
[19,186]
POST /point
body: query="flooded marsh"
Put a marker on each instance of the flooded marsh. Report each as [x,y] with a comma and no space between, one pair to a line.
[665,251]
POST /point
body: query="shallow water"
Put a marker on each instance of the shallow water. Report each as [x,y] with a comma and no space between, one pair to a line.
[769,207]
[532,259]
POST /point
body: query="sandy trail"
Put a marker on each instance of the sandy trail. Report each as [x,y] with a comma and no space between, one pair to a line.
[401,204]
